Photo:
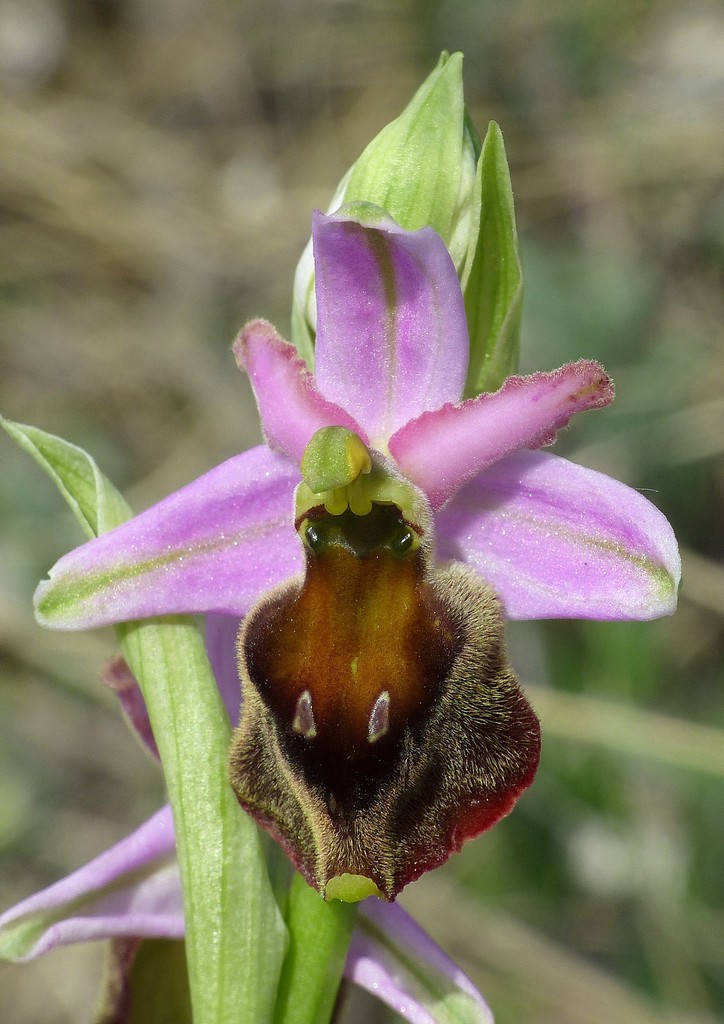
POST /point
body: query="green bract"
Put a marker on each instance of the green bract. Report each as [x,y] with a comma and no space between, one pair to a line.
[493,278]
[427,169]
[421,166]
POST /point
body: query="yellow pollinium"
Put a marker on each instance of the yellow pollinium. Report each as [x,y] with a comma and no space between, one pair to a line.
[350,888]
[333,459]
[339,472]
[332,465]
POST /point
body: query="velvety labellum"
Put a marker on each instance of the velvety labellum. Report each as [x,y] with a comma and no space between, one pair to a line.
[381,724]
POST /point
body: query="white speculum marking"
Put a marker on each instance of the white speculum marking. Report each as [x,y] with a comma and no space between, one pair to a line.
[303,722]
[379,721]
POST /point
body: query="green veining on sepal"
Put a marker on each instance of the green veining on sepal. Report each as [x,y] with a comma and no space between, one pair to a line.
[60,601]
[493,277]
[17,938]
[436,993]
[663,584]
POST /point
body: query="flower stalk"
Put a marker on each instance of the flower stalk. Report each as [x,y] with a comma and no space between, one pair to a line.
[319,936]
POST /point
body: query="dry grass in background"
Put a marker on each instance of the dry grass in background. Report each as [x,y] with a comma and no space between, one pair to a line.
[158,167]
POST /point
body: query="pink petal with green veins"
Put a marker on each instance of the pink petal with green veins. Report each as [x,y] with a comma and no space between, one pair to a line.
[291,408]
[118,677]
[131,889]
[213,546]
[442,450]
[392,339]
[560,541]
[222,632]
[392,956]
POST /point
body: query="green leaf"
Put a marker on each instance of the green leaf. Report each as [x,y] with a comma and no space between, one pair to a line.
[236,936]
[319,935]
[493,281]
[95,503]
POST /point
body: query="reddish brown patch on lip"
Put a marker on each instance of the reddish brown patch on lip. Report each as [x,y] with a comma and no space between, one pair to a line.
[381,724]
[358,628]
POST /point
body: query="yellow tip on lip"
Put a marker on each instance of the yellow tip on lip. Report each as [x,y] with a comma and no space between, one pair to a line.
[350,888]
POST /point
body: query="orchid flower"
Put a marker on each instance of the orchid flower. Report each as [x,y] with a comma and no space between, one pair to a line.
[355,572]
[446,503]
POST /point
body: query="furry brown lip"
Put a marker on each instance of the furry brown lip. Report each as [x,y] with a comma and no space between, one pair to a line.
[381,724]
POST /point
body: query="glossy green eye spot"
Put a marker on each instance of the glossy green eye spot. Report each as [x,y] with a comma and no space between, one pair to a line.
[381,529]
[313,538]
[404,541]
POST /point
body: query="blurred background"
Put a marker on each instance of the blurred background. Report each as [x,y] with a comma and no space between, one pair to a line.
[159,162]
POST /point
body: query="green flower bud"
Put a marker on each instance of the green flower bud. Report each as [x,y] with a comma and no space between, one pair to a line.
[421,166]
[427,169]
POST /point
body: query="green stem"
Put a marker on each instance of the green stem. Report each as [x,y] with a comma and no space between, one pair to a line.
[235,937]
[319,936]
